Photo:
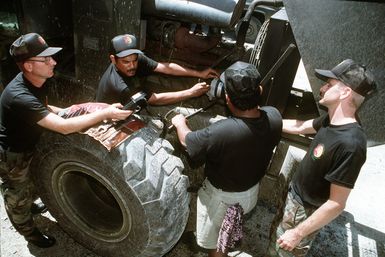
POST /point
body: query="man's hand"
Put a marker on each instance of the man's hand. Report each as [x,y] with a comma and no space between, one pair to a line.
[178,120]
[115,112]
[289,240]
[199,89]
[209,74]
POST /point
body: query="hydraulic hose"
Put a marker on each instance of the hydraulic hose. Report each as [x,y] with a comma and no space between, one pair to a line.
[241,37]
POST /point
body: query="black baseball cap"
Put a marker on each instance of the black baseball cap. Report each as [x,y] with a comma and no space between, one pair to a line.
[352,74]
[241,80]
[31,45]
[124,45]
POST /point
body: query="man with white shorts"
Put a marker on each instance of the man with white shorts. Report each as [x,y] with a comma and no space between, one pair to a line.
[236,152]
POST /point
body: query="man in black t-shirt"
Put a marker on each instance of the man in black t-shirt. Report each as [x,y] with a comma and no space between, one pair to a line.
[122,79]
[24,114]
[323,181]
[236,152]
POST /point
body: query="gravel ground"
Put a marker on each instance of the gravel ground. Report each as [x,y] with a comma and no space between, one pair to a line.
[358,232]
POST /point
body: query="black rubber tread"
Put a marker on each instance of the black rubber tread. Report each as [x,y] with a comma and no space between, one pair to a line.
[129,202]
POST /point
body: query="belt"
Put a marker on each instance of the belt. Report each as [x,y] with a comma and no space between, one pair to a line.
[298,198]
[230,189]
[295,195]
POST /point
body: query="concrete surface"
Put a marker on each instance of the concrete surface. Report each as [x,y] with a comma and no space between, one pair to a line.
[358,232]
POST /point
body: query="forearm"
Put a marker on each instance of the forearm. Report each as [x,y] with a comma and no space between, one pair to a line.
[73,124]
[79,123]
[178,70]
[297,127]
[180,124]
[54,109]
[321,217]
[182,131]
[169,97]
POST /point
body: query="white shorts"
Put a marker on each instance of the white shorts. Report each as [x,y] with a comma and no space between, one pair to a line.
[212,204]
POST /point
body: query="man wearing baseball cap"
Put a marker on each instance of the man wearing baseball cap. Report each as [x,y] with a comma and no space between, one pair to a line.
[322,183]
[24,114]
[129,66]
[236,152]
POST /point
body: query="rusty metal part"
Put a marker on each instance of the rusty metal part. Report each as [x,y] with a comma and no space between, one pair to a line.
[193,42]
[111,136]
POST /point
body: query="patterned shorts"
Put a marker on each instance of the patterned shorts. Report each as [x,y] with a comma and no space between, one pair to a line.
[18,190]
[294,214]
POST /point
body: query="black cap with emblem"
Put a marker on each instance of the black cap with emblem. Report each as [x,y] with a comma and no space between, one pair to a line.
[31,45]
[352,74]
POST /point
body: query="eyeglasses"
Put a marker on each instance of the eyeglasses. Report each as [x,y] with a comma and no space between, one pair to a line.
[46,60]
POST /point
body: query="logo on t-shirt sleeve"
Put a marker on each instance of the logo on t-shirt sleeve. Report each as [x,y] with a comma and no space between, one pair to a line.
[318,151]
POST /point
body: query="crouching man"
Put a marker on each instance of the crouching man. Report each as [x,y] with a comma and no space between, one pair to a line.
[24,114]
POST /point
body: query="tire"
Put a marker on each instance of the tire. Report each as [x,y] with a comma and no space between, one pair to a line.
[131,201]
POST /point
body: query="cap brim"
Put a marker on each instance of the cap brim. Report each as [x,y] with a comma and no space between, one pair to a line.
[325,74]
[129,52]
[50,51]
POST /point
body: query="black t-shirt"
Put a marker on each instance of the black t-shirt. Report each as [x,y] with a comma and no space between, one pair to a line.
[21,107]
[236,151]
[336,156]
[115,87]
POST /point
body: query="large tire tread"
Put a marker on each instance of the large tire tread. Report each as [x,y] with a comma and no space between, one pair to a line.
[141,175]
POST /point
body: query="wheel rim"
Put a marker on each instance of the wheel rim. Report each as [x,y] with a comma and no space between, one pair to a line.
[90,202]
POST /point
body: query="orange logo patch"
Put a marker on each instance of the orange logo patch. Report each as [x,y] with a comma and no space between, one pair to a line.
[318,151]
[127,39]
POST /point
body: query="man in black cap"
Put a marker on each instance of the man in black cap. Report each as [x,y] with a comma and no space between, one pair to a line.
[24,114]
[129,65]
[322,183]
[236,152]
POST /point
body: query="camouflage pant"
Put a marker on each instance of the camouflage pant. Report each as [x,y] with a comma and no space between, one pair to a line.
[18,191]
[294,214]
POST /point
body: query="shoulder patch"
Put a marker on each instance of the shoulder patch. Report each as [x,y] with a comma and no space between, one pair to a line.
[318,151]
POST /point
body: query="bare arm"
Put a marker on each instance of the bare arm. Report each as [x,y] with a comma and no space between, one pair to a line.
[321,217]
[178,70]
[173,97]
[54,109]
[179,121]
[66,126]
[298,127]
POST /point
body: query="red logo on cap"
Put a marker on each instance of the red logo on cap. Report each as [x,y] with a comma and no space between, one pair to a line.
[127,39]
[41,40]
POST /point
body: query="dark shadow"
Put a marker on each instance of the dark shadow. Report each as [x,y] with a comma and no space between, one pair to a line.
[345,237]
[65,246]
